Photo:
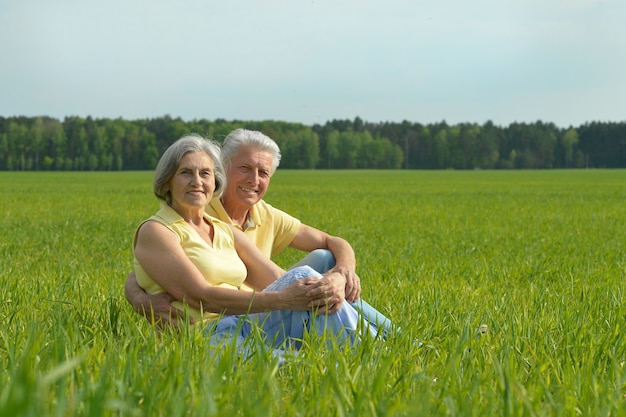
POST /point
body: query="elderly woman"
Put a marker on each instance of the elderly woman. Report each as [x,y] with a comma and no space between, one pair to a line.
[250,159]
[205,262]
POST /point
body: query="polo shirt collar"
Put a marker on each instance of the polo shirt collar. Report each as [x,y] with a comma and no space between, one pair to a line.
[253,218]
[169,214]
[253,215]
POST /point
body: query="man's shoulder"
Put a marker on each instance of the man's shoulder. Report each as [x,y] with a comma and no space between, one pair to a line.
[263,205]
[216,209]
[265,209]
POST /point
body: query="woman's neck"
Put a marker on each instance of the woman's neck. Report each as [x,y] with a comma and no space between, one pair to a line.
[193,215]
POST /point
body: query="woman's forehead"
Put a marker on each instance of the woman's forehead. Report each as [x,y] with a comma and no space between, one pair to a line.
[196,158]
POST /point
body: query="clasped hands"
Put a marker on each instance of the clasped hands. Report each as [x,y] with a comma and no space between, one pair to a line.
[324,294]
[328,293]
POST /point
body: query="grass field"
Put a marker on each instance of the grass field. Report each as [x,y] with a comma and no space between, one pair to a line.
[538,256]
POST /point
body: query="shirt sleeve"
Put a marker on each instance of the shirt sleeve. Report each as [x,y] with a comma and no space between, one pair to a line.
[285,228]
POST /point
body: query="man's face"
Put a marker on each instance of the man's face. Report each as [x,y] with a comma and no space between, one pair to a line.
[248,176]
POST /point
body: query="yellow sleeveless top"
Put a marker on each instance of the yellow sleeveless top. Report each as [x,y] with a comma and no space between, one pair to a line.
[219,264]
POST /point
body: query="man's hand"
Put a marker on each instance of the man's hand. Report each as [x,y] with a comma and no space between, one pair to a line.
[353,282]
[161,313]
[310,238]
[157,308]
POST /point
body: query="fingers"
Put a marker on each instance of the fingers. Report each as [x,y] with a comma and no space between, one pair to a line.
[329,308]
[353,283]
[170,319]
[322,292]
[334,308]
[326,301]
[353,286]
[353,293]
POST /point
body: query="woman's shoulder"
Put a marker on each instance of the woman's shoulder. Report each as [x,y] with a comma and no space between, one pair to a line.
[153,229]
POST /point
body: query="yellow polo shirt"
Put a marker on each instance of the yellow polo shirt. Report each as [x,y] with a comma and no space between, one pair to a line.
[270,229]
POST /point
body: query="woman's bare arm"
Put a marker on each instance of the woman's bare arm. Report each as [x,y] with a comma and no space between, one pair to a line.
[261,270]
[159,252]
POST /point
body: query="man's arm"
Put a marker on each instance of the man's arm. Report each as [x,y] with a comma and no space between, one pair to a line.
[157,308]
[310,238]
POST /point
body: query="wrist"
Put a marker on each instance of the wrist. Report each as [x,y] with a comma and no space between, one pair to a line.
[345,267]
[271,300]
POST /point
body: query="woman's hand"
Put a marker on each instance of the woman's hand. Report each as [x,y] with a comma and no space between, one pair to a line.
[308,294]
[295,297]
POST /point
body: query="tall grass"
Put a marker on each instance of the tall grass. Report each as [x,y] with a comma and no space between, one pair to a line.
[538,256]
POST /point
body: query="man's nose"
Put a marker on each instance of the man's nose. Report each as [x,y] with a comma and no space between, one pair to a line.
[253,177]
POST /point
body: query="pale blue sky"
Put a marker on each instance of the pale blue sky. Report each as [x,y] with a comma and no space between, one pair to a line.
[561,61]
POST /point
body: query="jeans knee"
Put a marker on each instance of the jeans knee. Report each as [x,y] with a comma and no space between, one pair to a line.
[322,259]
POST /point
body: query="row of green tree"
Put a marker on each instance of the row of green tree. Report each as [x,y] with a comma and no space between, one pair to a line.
[76,143]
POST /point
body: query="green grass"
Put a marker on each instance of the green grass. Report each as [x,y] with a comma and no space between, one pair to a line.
[538,256]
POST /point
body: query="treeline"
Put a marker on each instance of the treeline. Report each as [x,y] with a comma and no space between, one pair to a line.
[76,143]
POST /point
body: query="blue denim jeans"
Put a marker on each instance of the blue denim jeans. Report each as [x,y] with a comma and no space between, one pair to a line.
[323,260]
[286,328]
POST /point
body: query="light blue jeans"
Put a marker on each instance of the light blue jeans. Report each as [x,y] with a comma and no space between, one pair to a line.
[323,260]
[286,328]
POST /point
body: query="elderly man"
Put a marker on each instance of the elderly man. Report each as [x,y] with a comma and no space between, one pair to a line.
[250,159]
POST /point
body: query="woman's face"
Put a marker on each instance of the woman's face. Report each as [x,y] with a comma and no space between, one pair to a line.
[193,182]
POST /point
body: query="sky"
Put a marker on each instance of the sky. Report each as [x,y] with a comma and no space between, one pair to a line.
[313,61]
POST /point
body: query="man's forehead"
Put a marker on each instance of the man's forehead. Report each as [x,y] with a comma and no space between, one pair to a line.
[253,156]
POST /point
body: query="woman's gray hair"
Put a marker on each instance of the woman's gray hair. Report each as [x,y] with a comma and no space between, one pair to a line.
[241,137]
[168,164]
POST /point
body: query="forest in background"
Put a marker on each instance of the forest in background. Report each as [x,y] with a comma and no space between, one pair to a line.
[103,144]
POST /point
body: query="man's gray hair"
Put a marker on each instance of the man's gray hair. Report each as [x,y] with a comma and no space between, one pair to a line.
[241,137]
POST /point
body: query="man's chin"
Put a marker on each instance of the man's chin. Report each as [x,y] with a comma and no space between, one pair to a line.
[250,199]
